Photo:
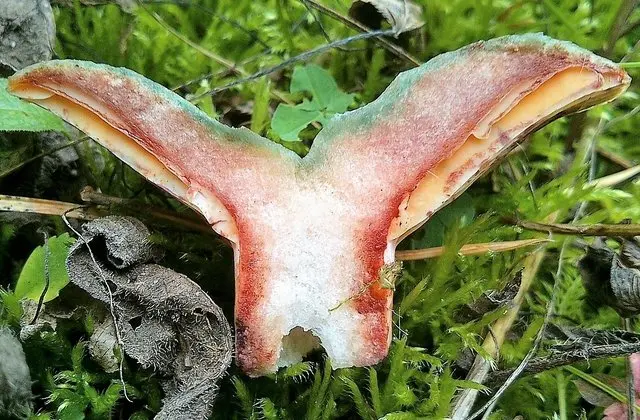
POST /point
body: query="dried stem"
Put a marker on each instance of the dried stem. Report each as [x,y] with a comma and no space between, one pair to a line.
[494,340]
[91,196]
[99,205]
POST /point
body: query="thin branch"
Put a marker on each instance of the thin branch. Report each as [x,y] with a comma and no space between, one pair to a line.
[215,57]
[469,249]
[97,200]
[300,57]
[596,229]
[219,73]
[231,66]
[588,353]
[249,32]
[89,195]
[316,18]
[41,155]
[630,27]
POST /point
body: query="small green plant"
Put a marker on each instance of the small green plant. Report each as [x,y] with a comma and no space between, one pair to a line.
[79,394]
[326,100]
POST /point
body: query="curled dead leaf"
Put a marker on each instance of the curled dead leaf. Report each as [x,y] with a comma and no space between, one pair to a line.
[165,321]
[613,279]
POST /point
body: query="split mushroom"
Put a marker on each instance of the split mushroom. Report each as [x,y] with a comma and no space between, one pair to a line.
[312,235]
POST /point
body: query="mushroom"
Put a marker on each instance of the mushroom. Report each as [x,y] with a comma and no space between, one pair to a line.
[313,236]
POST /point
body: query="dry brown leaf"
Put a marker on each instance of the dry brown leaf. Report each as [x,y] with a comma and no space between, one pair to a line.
[164,320]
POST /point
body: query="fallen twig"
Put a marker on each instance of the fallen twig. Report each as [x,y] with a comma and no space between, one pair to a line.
[590,352]
[95,201]
[596,229]
[89,195]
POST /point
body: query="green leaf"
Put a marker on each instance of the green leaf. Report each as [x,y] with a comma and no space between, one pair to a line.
[327,100]
[19,115]
[260,114]
[71,411]
[289,120]
[32,278]
[324,89]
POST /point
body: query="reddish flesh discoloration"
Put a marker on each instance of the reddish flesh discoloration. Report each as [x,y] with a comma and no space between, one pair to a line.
[361,168]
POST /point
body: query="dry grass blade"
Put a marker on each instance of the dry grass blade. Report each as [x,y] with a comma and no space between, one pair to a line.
[469,249]
[91,210]
[617,178]
[49,207]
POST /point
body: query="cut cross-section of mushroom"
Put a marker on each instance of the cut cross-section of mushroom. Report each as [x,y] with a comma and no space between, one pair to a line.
[312,235]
